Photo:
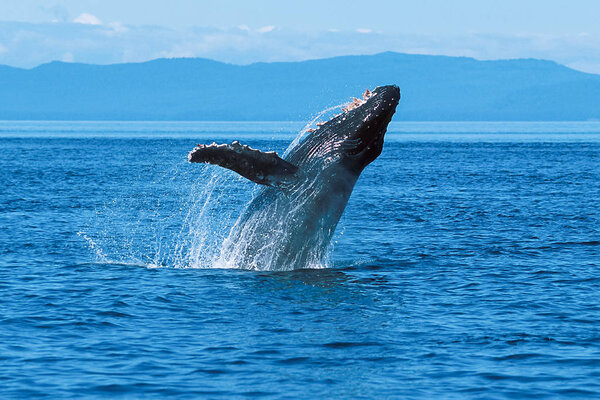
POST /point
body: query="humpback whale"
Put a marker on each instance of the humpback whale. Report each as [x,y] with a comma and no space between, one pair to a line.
[290,221]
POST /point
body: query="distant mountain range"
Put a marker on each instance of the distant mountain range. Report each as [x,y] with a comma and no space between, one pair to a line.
[433,88]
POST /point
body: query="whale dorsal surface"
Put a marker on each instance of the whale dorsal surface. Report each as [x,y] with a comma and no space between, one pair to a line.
[265,168]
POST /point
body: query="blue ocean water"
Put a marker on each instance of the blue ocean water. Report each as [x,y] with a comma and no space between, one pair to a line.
[466,265]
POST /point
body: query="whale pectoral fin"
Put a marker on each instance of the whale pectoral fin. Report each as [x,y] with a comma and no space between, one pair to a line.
[265,168]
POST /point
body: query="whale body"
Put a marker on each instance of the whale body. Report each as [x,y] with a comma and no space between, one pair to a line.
[289,223]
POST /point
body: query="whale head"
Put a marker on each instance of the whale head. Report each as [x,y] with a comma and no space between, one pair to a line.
[353,138]
[364,125]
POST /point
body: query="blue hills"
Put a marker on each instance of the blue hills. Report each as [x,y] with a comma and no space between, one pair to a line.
[433,88]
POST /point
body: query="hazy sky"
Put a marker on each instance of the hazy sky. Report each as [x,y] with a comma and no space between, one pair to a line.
[242,31]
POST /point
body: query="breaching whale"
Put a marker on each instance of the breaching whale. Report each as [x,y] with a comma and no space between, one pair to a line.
[289,223]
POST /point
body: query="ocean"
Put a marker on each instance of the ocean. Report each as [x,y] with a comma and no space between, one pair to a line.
[465,266]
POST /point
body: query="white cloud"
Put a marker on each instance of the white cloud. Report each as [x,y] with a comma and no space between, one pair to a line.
[87,19]
[67,57]
[117,28]
[364,30]
[266,29]
[28,45]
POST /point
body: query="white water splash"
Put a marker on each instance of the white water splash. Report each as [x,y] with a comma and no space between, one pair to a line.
[290,231]
[93,247]
[178,219]
[205,225]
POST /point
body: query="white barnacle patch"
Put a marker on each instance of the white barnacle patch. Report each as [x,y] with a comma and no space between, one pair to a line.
[237,147]
[355,103]
[340,117]
[242,148]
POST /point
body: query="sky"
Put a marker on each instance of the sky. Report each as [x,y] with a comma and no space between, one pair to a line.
[241,31]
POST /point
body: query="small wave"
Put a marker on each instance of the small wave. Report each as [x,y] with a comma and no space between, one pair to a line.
[294,360]
[520,356]
[584,243]
[115,314]
[345,345]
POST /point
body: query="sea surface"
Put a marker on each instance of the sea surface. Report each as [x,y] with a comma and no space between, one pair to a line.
[466,266]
